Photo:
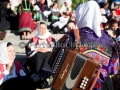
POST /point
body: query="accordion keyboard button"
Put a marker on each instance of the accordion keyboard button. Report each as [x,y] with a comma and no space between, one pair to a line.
[87,79]
[83,81]
[61,54]
[54,71]
[55,68]
[56,65]
[60,57]
[81,86]
[59,61]
[84,78]
[63,50]
[84,85]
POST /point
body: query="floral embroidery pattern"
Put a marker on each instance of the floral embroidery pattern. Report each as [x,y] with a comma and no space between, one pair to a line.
[97,47]
[98,56]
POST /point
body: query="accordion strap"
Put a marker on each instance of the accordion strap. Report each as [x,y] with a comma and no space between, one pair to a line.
[77,37]
[96,78]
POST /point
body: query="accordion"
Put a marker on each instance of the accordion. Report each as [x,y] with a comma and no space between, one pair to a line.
[73,71]
[57,55]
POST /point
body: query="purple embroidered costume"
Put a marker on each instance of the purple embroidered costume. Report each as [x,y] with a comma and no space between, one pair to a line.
[104,51]
[96,43]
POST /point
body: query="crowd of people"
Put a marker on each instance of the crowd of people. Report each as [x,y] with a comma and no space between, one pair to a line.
[24,15]
[13,15]
[94,26]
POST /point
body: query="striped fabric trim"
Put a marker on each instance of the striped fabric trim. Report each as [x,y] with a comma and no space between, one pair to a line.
[25,29]
[54,17]
[26,5]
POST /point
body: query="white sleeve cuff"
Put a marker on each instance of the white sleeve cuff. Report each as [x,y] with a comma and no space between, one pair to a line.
[33,54]
[6,72]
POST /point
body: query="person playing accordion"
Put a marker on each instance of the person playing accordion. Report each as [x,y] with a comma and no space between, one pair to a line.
[97,43]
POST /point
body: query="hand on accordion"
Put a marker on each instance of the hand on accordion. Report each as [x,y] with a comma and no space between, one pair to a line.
[41,50]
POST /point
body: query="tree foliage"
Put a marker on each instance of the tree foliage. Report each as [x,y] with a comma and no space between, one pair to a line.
[75,3]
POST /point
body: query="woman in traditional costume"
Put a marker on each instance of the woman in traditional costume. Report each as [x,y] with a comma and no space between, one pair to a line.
[25,20]
[43,9]
[12,75]
[38,50]
[97,43]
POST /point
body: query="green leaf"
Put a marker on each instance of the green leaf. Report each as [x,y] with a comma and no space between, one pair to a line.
[75,3]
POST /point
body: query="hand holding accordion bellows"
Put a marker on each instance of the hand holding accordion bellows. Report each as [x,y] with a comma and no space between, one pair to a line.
[96,78]
[77,37]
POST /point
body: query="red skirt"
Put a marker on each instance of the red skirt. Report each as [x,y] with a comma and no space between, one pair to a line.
[26,24]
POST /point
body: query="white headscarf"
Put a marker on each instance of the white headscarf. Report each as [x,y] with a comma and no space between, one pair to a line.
[63,8]
[69,2]
[14,3]
[3,54]
[88,15]
[47,34]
